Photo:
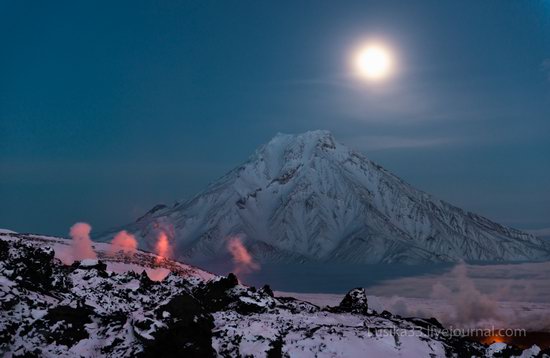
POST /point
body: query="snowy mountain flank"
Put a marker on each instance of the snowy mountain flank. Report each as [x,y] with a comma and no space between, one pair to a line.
[307,197]
[110,307]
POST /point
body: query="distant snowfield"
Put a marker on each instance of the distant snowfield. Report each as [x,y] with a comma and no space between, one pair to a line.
[527,315]
[473,296]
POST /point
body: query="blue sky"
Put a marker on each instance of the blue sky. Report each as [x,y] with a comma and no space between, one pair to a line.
[108,108]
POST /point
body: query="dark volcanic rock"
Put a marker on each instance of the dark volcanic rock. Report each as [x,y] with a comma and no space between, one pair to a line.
[3,250]
[69,324]
[34,266]
[276,348]
[426,323]
[463,347]
[267,290]
[144,281]
[214,295]
[100,267]
[246,308]
[355,301]
[295,306]
[226,293]
[188,332]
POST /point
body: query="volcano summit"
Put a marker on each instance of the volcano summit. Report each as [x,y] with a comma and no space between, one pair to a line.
[307,197]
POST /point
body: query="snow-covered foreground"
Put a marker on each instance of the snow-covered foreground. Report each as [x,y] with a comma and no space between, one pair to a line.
[93,308]
[323,334]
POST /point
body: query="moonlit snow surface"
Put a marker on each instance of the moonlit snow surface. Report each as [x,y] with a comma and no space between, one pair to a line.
[105,306]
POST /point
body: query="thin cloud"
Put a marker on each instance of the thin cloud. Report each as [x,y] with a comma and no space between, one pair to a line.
[372,143]
[342,80]
[475,295]
[504,282]
[399,101]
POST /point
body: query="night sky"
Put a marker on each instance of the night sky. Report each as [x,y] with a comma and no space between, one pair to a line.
[108,108]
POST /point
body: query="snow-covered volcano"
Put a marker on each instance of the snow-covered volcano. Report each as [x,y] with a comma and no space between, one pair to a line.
[307,197]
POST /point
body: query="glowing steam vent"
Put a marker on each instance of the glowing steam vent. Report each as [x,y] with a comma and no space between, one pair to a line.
[243,261]
[162,247]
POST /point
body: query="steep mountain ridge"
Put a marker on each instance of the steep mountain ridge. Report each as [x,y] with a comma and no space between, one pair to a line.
[307,197]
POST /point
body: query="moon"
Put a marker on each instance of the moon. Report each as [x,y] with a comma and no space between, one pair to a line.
[374,62]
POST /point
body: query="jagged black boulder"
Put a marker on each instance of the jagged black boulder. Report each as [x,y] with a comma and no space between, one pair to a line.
[33,266]
[276,348]
[188,332]
[3,250]
[99,266]
[223,294]
[267,290]
[355,301]
[145,282]
[214,295]
[69,322]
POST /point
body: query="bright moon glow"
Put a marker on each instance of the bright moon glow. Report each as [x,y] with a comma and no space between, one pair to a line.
[374,62]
